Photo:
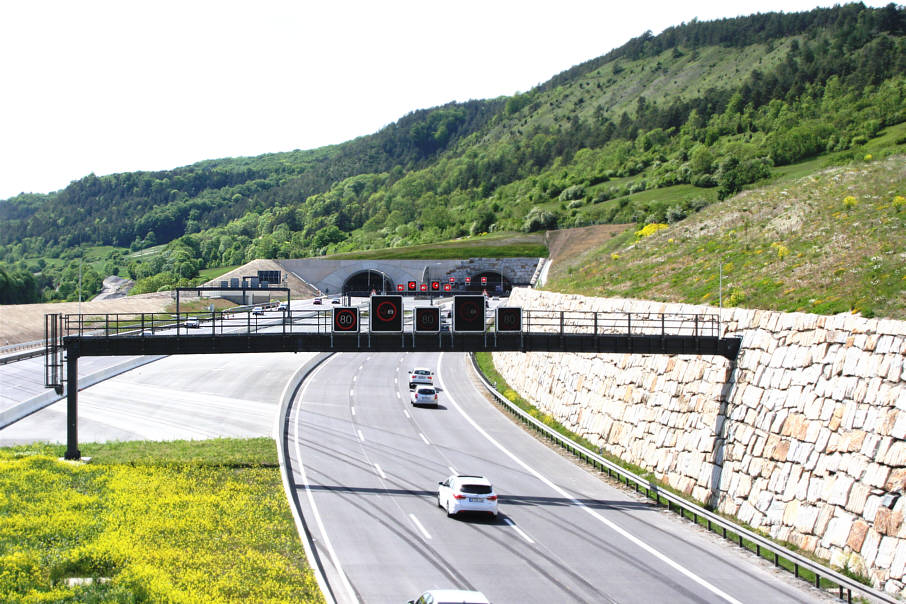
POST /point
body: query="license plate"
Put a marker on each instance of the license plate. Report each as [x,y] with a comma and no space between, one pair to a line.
[476,499]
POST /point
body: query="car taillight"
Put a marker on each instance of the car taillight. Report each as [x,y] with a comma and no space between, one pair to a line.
[458,496]
[492,497]
[435,397]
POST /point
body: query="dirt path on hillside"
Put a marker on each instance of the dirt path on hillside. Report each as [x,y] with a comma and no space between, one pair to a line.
[568,246]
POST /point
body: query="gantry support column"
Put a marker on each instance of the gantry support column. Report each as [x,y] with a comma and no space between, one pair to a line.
[72,402]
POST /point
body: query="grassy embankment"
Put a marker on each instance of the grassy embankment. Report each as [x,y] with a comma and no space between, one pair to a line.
[828,242]
[196,521]
[486,245]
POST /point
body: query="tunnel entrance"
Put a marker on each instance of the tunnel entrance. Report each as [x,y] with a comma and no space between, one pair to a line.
[364,282]
[496,285]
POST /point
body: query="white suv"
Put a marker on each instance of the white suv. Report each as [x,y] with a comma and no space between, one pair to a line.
[420,375]
[464,493]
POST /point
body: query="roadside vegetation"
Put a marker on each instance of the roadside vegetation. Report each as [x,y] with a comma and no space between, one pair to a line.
[183,521]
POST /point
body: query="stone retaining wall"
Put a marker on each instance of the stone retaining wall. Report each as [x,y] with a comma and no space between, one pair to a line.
[803,438]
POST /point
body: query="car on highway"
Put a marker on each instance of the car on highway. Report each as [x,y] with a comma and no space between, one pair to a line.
[466,493]
[451,596]
[335,301]
[191,322]
[316,301]
[423,395]
[282,306]
[420,375]
[257,311]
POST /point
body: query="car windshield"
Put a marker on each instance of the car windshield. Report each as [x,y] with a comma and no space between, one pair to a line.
[426,391]
[477,489]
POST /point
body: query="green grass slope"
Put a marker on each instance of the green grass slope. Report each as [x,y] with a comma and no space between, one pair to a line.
[832,241]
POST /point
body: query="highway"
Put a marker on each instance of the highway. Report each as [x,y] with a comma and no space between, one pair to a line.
[366,465]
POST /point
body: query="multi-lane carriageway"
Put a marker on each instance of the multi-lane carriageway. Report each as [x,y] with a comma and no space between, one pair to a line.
[362,467]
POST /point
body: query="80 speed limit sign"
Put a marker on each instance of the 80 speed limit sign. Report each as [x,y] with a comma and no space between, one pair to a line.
[346,319]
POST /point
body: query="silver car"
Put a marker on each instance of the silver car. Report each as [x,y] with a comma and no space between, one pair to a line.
[423,395]
[451,596]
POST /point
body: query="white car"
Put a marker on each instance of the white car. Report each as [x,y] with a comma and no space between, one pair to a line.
[451,596]
[423,395]
[466,493]
[257,311]
[282,306]
[191,322]
[420,375]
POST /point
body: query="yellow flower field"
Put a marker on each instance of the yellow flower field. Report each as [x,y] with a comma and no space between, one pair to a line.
[194,523]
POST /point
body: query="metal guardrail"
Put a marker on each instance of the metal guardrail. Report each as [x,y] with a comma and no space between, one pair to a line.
[847,586]
[10,348]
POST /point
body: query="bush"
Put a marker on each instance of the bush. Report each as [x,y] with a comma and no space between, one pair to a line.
[576,203]
[572,193]
[539,220]
[675,214]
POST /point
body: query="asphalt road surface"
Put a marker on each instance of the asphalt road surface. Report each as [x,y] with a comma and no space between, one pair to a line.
[366,466]
[178,397]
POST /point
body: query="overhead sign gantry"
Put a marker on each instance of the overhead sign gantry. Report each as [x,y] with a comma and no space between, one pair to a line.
[342,329]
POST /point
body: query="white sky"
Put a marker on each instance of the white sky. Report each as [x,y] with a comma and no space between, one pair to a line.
[124,85]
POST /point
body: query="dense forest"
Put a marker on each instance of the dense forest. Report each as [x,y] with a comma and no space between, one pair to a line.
[713,106]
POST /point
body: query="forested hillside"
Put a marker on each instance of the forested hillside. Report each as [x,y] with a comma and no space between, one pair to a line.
[651,132]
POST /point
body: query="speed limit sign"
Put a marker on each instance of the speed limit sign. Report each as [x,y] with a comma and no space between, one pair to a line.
[509,318]
[346,319]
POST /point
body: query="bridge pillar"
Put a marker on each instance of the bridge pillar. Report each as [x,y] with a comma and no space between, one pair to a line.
[72,403]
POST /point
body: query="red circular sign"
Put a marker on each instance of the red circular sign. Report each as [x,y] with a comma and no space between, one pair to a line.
[386,311]
[345,319]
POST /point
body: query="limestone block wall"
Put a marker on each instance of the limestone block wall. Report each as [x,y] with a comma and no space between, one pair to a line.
[804,437]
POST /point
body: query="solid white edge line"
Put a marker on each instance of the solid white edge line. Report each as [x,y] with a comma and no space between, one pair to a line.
[419,526]
[626,534]
[521,532]
[286,468]
[311,499]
